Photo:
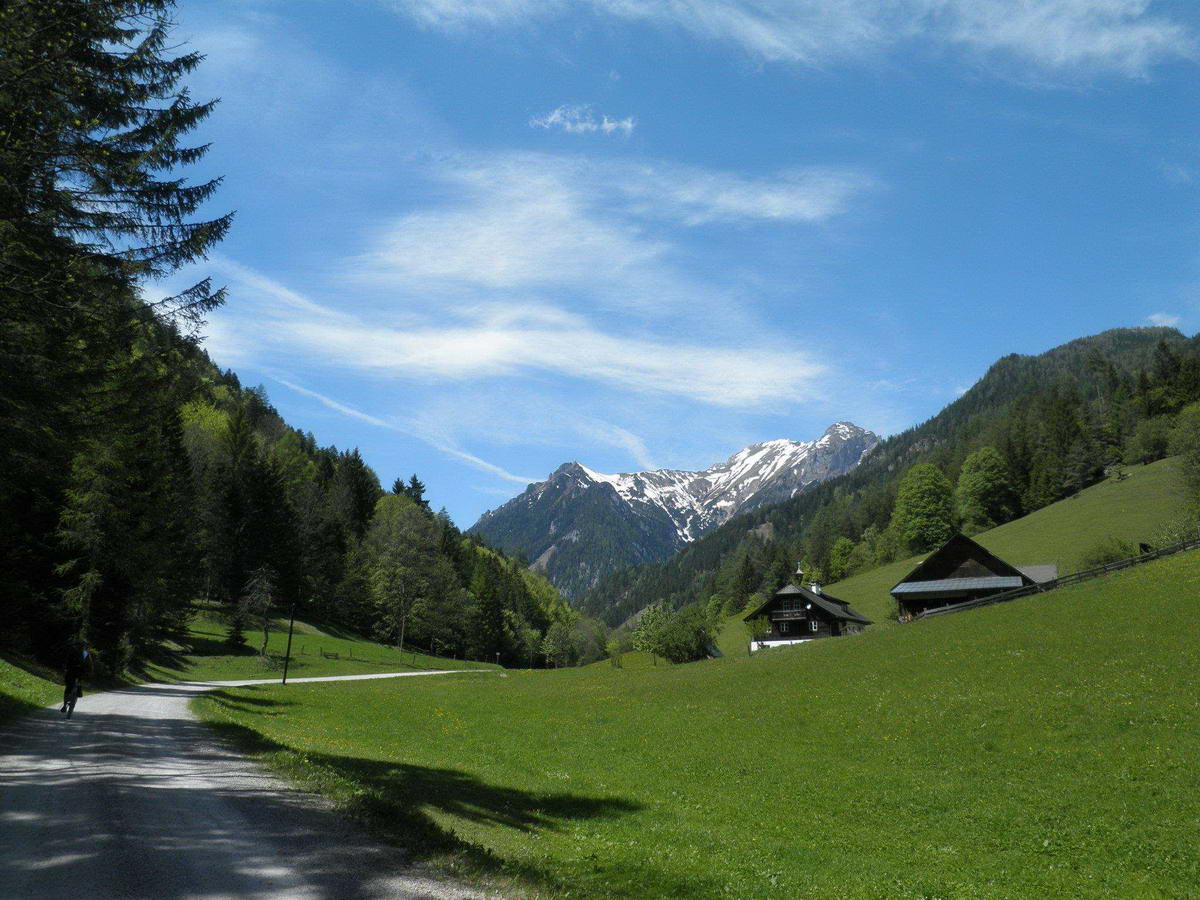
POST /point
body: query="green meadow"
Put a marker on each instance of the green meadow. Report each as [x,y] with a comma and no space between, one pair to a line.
[204,654]
[1045,747]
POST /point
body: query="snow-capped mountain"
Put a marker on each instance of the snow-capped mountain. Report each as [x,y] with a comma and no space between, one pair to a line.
[580,524]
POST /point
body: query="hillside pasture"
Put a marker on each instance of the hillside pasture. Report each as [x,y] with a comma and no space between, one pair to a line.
[1130,510]
[1044,747]
[205,655]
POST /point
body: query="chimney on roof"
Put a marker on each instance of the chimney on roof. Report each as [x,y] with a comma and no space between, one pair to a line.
[814,587]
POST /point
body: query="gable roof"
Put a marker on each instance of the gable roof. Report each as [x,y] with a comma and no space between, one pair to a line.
[959,545]
[838,609]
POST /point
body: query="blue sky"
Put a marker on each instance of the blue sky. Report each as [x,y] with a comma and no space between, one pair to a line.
[479,238]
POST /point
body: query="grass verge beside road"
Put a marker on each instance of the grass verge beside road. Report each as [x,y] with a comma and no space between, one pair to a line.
[1045,747]
[24,687]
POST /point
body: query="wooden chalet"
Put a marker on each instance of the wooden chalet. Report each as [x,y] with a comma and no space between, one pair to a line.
[799,614]
[961,570]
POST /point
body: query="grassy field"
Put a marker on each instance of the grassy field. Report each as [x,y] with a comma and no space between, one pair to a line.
[205,655]
[24,687]
[1045,747]
[1061,533]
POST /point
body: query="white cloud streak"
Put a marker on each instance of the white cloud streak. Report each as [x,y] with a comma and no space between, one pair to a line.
[506,340]
[580,119]
[1119,37]
[524,220]
[448,449]
[1161,318]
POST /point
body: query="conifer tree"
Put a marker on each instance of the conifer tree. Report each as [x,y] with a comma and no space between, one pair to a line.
[415,490]
[92,115]
[94,110]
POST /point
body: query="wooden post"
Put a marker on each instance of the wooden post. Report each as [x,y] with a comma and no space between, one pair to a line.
[287,656]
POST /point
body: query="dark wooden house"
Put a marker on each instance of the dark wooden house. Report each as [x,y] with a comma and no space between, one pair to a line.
[803,613]
[961,570]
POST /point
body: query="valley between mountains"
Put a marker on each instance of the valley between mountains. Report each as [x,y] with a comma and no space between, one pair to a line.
[579,525]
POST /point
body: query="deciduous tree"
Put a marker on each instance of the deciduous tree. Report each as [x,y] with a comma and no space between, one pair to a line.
[985,492]
[924,513]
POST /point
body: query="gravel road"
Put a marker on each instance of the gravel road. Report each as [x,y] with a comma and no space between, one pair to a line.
[133,797]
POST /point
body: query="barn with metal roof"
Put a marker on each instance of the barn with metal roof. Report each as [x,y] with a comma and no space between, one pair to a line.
[962,570]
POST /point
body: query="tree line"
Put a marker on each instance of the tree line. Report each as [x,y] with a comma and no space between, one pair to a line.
[136,479]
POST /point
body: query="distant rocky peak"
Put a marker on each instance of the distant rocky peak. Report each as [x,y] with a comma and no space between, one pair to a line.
[659,511]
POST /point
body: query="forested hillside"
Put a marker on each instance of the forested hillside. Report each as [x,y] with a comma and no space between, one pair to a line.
[135,478]
[1033,430]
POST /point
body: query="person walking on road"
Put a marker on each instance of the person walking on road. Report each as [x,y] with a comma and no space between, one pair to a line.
[78,665]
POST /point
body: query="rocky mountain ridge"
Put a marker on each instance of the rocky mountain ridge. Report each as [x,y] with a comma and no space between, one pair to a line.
[580,524]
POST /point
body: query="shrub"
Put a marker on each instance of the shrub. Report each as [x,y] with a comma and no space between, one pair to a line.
[237,628]
[1107,551]
[1180,529]
[687,636]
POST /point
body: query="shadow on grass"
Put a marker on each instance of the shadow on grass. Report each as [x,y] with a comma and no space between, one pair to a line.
[247,704]
[179,658]
[397,800]
[31,666]
[11,707]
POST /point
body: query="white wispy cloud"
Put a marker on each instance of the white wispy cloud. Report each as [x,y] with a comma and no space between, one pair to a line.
[1178,173]
[1162,318]
[507,340]
[581,119]
[502,340]
[521,220]
[543,419]
[615,435]
[448,449]
[1116,36]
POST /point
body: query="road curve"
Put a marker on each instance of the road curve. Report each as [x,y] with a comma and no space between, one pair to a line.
[133,797]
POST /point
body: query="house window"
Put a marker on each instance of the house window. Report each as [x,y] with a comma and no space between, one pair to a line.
[785,627]
[814,625]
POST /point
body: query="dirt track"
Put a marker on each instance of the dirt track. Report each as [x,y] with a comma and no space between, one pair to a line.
[135,798]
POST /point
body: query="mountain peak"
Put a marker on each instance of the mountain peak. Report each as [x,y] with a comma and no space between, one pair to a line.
[570,524]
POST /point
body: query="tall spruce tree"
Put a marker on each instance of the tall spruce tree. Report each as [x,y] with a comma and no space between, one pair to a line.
[94,110]
[92,114]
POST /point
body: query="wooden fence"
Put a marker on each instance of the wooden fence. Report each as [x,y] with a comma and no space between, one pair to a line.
[1065,581]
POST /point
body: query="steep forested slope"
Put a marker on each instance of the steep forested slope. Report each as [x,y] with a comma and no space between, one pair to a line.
[135,478]
[1057,419]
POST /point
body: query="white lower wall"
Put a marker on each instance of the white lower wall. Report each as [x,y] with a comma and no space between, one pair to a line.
[767,645]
